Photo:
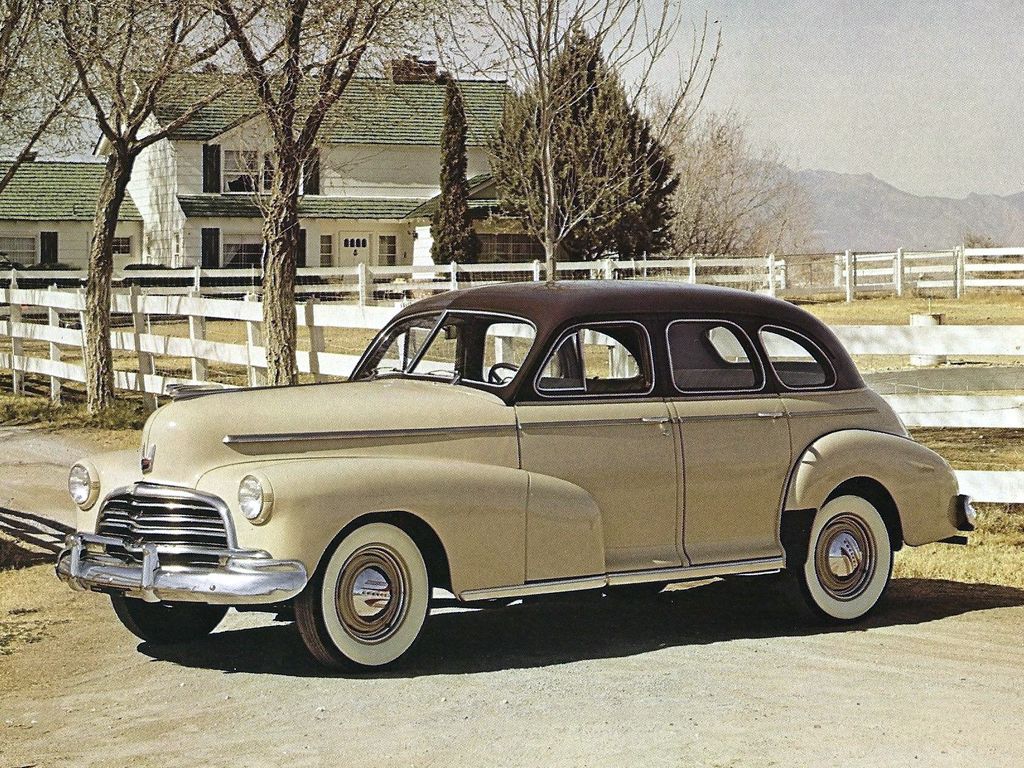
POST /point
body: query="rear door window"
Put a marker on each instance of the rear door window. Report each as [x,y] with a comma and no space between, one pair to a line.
[600,359]
[712,356]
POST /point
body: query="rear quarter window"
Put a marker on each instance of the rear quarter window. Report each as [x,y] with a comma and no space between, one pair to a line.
[798,362]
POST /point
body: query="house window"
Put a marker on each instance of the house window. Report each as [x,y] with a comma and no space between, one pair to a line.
[20,250]
[354,242]
[122,246]
[242,250]
[326,250]
[517,248]
[387,246]
[241,171]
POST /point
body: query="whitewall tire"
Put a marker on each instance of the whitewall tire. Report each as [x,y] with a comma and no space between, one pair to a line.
[369,601]
[849,559]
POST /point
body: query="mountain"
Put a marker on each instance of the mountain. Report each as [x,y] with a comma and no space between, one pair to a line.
[864,213]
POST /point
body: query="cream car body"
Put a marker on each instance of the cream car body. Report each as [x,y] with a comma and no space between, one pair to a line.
[529,476]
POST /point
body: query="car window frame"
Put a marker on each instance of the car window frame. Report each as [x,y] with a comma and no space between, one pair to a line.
[581,393]
[751,349]
[831,376]
[442,315]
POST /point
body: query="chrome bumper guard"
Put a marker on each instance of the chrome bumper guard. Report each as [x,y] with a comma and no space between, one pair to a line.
[966,517]
[241,576]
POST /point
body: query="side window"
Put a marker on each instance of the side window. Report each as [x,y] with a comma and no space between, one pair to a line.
[605,359]
[796,361]
[709,356]
[506,344]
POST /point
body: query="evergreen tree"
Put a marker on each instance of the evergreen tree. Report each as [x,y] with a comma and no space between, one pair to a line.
[451,227]
[613,179]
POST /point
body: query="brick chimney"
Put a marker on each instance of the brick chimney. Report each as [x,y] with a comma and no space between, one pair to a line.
[410,69]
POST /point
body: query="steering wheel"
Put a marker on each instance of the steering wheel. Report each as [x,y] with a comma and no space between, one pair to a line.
[494,376]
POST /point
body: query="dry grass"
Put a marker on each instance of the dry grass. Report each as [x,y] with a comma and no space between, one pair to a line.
[973,309]
[995,554]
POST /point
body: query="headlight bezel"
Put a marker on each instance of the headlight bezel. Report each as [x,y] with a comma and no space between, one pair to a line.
[255,498]
[90,484]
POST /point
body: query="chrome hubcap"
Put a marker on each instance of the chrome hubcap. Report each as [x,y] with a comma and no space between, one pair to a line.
[845,556]
[371,594]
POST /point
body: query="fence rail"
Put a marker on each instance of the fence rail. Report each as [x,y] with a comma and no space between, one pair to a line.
[847,274]
[55,330]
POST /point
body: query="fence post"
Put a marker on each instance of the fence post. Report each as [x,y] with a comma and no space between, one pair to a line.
[959,280]
[197,332]
[608,270]
[197,278]
[17,380]
[536,270]
[692,277]
[454,267]
[253,339]
[316,340]
[772,287]
[363,273]
[54,320]
[850,267]
[145,359]
[897,272]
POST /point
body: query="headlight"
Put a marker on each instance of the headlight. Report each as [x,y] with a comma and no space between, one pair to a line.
[255,498]
[83,485]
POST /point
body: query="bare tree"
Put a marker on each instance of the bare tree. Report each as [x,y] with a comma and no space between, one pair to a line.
[300,56]
[36,87]
[733,198]
[126,54]
[527,40]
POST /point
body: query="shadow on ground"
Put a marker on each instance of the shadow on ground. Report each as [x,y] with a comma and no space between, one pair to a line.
[589,627]
[14,555]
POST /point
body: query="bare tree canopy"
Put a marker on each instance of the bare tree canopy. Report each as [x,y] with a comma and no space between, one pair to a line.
[733,198]
[36,87]
[299,56]
[126,54]
[529,41]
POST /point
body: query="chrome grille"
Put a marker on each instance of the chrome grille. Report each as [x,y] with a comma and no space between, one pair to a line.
[165,517]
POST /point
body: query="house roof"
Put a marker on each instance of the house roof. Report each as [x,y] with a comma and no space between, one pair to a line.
[482,199]
[310,207]
[56,191]
[371,111]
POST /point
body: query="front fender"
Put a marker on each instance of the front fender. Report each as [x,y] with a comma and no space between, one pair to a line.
[477,511]
[920,481]
[116,469]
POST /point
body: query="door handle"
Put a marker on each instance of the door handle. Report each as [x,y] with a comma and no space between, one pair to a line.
[655,419]
[772,415]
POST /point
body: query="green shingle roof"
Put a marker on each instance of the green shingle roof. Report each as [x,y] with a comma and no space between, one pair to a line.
[371,111]
[310,207]
[56,191]
[479,206]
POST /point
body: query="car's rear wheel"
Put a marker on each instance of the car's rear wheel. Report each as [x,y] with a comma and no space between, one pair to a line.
[167,623]
[367,603]
[849,560]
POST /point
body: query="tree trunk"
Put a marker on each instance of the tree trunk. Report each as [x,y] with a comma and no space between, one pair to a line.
[281,235]
[99,361]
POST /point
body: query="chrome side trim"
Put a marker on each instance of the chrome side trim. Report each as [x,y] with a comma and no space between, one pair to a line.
[584,423]
[722,417]
[834,412]
[363,434]
[684,573]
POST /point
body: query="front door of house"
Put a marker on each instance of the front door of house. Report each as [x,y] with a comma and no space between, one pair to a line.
[353,249]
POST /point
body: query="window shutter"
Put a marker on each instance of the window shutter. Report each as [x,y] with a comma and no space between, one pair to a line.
[300,257]
[211,168]
[311,174]
[47,247]
[211,247]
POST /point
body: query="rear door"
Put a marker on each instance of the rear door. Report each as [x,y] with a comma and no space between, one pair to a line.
[734,439]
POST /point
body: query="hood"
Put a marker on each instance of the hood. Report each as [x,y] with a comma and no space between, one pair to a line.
[187,438]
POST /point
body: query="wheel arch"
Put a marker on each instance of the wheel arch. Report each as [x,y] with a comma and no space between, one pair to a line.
[871,490]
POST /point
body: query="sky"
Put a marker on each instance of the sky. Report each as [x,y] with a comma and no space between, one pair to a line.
[928,96]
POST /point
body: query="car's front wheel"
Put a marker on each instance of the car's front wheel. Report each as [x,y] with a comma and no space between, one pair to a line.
[368,601]
[849,560]
[167,623]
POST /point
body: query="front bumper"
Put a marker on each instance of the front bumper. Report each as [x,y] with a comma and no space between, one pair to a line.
[240,577]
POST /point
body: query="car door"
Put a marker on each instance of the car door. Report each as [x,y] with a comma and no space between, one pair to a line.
[734,438]
[598,426]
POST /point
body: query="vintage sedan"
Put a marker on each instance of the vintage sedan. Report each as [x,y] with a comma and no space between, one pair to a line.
[510,441]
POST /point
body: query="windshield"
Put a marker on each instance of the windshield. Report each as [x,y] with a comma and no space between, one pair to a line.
[451,346]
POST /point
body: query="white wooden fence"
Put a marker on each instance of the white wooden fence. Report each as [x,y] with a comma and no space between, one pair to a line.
[844,275]
[62,359]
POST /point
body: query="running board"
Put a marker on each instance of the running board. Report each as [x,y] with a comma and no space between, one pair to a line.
[666,575]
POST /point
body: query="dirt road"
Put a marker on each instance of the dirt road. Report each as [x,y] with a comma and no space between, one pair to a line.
[715,675]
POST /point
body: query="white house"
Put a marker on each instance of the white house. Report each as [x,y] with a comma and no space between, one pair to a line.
[366,194]
[46,216]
